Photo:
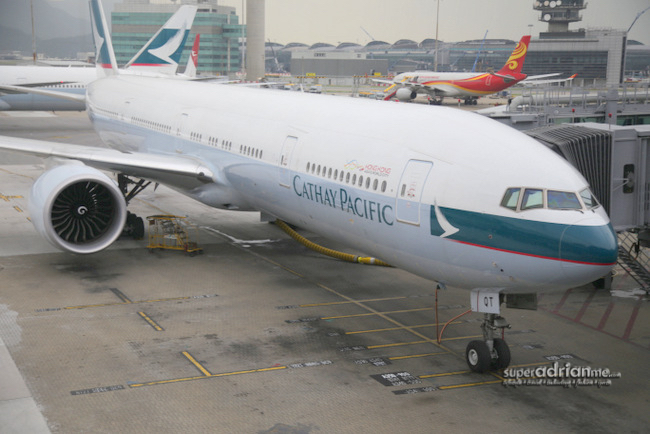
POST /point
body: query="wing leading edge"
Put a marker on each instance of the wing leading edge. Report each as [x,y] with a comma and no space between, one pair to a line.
[178,171]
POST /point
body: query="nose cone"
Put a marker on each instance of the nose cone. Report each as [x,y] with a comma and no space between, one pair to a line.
[588,252]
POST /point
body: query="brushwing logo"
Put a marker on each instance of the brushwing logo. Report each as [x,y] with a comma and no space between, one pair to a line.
[169,48]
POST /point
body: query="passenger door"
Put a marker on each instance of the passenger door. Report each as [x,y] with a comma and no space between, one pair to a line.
[285,160]
[409,192]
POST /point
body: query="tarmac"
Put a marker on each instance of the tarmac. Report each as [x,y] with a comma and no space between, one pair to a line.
[261,335]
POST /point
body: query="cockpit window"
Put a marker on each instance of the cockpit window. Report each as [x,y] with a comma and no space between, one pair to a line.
[588,199]
[511,198]
[522,199]
[533,198]
[562,200]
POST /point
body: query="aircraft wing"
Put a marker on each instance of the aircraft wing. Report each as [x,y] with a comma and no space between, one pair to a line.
[379,80]
[53,93]
[536,80]
[536,77]
[173,170]
[506,78]
[436,89]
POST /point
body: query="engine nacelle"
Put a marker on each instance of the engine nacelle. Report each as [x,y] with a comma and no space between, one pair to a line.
[405,94]
[77,208]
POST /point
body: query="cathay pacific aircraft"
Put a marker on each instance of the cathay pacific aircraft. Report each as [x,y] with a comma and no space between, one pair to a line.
[445,194]
[54,88]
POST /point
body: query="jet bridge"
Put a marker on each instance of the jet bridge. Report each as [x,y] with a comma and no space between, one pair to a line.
[615,161]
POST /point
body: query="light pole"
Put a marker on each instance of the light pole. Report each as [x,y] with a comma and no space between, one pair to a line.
[626,35]
[435,59]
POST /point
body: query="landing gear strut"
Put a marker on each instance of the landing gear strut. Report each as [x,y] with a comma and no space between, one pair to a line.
[134,226]
[492,352]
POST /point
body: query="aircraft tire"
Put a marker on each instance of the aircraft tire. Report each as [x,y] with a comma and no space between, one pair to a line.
[478,356]
[138,230]
[503,354]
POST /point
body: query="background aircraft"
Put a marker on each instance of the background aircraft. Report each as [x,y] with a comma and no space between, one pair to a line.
[63,88]
[466,85]
[452,209]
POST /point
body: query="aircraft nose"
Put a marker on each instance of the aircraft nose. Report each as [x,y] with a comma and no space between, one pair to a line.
[588,252]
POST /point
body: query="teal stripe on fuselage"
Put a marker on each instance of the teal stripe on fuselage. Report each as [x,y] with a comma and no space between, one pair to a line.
[526,237]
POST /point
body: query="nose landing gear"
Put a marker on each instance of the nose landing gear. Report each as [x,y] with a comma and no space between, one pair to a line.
[492,353]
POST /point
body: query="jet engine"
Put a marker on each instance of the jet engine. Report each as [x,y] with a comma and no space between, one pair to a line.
[405,94]
[77,208]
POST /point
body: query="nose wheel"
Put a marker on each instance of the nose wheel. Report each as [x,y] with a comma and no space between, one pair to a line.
[491,353]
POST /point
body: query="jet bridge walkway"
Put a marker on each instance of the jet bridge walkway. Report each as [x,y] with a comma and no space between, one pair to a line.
[615,161]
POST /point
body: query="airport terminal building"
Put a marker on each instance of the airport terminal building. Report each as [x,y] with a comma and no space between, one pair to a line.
[598,56]
[601,56]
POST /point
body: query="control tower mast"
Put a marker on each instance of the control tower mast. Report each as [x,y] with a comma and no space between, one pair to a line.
[559,13]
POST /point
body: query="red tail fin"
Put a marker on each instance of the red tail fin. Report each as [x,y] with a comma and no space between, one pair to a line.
[195,51]
[516,60]
[193,61]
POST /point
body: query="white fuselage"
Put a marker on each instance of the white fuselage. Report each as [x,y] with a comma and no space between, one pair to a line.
[419,187]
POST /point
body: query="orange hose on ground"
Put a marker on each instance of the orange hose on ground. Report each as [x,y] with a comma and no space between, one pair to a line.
[329,252]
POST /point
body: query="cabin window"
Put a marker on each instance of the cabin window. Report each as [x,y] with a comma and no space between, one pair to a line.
[511,198]
[383,186]
[360,181]
[341,178]
[533,198]
[347,178]
[354,179]
[336,174]
[368,183]
[329,173]
[375,183]
[318,170]
[307,167]
[562,200]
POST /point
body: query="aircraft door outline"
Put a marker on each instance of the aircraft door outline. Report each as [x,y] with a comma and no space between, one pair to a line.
[409,193]
[180,132]
[286,157]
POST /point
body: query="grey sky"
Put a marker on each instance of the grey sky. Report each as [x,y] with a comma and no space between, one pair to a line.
[334,21]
